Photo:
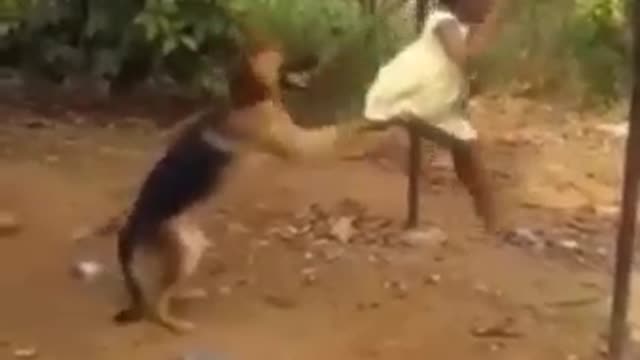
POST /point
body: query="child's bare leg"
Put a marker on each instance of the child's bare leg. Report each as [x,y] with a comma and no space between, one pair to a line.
[471,171]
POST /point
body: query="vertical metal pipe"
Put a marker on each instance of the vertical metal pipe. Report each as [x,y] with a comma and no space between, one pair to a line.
[415,153]
[618,333]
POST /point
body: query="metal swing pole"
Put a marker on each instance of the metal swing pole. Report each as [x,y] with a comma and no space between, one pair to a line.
[619,331]
[415,153]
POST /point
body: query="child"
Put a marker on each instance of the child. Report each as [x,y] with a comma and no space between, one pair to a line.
[426,84]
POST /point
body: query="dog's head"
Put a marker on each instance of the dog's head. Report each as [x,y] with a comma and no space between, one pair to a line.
[262,71]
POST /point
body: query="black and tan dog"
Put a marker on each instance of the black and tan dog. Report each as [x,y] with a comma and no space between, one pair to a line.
[193,168]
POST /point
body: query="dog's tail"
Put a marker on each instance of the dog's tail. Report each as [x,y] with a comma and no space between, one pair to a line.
[129,238]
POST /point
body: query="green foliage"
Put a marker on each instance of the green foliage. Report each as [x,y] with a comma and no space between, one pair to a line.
[188,37]
[574,49]
[121,40]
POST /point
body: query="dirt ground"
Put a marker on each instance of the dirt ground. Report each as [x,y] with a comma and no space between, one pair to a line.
[544,289]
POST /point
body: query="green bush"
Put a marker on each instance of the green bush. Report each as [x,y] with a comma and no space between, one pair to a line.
[547,47]
[572,49]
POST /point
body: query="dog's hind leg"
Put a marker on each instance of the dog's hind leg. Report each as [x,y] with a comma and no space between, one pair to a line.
[185,245]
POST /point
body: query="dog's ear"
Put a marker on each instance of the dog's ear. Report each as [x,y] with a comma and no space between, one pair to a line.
[266,65]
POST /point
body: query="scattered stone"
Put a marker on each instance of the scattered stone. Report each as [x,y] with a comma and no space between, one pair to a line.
[225,290]
[569,245]
[525,237]
[81,233]
[35,123]
[331,255]
[635,334]
[242,282]
[201,355]
[433,279]
[373,258]
[279,301]
[87,270]
[343,229]
[308,255]
[482,288]
[609,212]
[504,329]
[399,289]
[573,357]
[619,130]
[602,251]
[494,347]
[263,243]
[9,224]
[26,353]
[52,159]
[309,276]
[368,305]
[236,227]
[432,237]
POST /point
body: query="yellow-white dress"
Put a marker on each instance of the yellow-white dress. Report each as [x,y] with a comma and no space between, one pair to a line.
[423,82]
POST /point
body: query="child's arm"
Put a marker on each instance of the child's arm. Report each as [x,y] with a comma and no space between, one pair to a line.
[459,48]
[480,35]
[452,39]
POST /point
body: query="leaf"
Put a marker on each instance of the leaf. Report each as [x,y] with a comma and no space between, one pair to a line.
[98,21]
[189,42]
[107,62]
[169,45]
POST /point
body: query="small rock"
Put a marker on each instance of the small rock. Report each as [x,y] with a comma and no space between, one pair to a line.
[52,159]
[526,238]
[569,245]
[201,355]
[263,243]
[242,282]
[635,334]
[279,301]
[343,229]
[425,238]
[236,227]
[482,288]
[433,279]
[331,255]
[309,276]
[602,251]
[87,270]
[308,255]
[607,211]
[81,233]
[25,353]
[368,305]
[9,224]
[37,124]
[573,357]
[503,329]
[619,130]
[225,290]
[399,289]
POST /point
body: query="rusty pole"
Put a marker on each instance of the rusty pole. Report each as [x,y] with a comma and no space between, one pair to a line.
[618,333]
[415,154]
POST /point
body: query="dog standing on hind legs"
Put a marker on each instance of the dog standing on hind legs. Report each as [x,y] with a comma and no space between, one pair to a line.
[160,220]
[193,168]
